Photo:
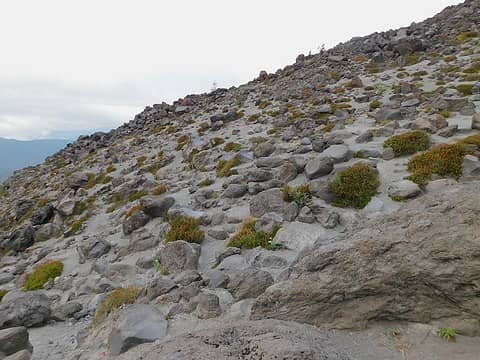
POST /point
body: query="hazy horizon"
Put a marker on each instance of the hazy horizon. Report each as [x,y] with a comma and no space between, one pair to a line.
[70,69]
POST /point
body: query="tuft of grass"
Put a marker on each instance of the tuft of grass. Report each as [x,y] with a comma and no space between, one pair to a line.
[224,167]
[443,160]
[465,89]
[412,59]
[445,113]
[116,299]
[355,186]
[182,141]
[408,143]
[218,141]
[231,146]
[3,293]
[185,228]
[375,104]
[465,36]
[111,168]
[141,161]
[299,194]
[205,182]
[160,189]
[247,237]
[42,273]
[448,333]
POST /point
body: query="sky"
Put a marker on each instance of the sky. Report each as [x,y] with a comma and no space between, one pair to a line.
[73,67]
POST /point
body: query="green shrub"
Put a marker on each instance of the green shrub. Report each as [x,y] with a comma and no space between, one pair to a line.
[375,104]
[408,143]
[205,182]
[465,89]
[185,228]
[412,59]
[465,36]
[247,237]
[447,333]
[300,194]
[114,300]
[231,146]
[355,186]
[443,160]
[445,113]
[42,273]
[3,293]
[224,167]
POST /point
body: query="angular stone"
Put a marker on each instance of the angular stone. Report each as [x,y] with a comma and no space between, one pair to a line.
[249,283]
[137,324]
[318,167]
[13,340]
[24,309]
[156,206]
[404,189]
[178,256]
[135,221]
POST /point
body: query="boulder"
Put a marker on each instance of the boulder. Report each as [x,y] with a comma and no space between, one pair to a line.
[403,189]
[269,201]
[470,167]
[155,206]
[318,167]
[95,248]
[137,324]
[385,270]
[259,175]
[208,306]
[77,180]
[13,340]
[249,283]
[268,339]
[27,309]
[21,355]
[287,172]
[476,121]
[178,256]
[339,153]
[43,215]
[135,221]
[234,191]
[263,150]
[20,239]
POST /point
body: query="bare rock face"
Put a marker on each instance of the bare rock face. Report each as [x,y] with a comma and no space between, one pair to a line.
[267,340]
[420,263]
[24,309]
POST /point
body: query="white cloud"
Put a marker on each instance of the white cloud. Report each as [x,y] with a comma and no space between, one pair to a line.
[78,66]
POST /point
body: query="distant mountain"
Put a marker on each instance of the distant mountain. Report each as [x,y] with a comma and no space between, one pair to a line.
[17,154]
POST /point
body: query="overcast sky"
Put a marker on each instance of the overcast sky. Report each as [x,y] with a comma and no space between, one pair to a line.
[72,67]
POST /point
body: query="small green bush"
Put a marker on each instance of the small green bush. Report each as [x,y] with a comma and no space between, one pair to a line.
[205,182]
[465,89]
[448,333]
[224,167]
[114,300]
[355,186]
[445,113]
[408,143]
[185,228]
[465,36]
[247,237]
[412,59]
[300,194]
[375,104]
[3,293]
[231,146]
[42,273]
[443,160]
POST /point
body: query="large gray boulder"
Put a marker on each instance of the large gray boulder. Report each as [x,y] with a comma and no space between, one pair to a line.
[20,239]
[155,206]
[137,324]
[178,256]
[13,340]
[135,221]
[268,340]
[268,201]
[385,270]
[249,283]
[24,309]
[318,167]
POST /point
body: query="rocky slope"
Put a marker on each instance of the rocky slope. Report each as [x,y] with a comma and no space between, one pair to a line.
[341,192]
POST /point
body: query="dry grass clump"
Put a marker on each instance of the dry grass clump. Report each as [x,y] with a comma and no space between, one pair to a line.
[116,299]
[247,237]
[185,228]
[408,143]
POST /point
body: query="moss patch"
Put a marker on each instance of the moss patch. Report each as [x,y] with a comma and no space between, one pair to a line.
[114,300]
[42,273]
[224,167]
[185,228]
[355,186]
[247,237]
[408,143]
[445,160]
